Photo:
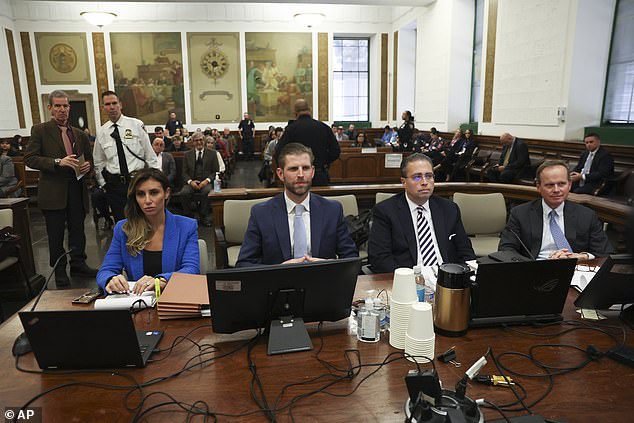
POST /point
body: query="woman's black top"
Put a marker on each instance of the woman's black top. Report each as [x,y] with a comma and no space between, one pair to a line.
[152,262]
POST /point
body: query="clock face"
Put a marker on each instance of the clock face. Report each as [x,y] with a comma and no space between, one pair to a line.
[214,64]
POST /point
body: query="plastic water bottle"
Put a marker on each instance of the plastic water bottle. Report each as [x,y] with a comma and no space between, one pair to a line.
[369,329]
[420,283]
[217,183]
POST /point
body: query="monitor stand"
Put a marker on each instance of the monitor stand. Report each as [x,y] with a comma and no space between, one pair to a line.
[288,334]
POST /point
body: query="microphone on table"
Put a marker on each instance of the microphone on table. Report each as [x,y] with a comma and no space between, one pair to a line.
[21,345]
[522,243]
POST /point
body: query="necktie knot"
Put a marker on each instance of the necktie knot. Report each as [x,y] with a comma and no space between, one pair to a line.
[299,209]
[553,214]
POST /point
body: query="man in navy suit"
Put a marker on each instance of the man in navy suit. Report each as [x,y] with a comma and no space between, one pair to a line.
[398,236]
[296,226]
[551,227]
[595,165]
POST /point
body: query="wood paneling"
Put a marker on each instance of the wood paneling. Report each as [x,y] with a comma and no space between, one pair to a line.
[17,91]
[395,76]
[322,76]
[384,75]
[27,54]
[492,19]
[101,70]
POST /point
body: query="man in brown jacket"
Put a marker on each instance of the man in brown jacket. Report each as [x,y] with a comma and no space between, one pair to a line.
[63,156]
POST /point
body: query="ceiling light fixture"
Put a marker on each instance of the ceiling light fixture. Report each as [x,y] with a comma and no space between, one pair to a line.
[99,19]
[309,19]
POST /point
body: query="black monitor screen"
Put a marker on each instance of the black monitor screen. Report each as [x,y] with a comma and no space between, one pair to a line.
[247,298]
[613,284]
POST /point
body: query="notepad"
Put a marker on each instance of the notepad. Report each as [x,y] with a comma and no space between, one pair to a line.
[127,301]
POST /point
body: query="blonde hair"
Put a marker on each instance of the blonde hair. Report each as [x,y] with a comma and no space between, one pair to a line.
[137,229]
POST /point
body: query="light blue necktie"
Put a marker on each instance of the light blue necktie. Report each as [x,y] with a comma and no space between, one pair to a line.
[558,236]
[586,168]
[299,235]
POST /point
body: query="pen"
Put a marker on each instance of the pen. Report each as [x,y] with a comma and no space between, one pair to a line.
[157,288]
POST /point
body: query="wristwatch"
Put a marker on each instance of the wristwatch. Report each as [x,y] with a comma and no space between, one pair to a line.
[57,162]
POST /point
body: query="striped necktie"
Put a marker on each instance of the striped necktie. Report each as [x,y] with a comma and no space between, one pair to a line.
[425,240]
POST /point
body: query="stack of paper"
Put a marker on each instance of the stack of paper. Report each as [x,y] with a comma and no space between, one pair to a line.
[126,301]
[185,296]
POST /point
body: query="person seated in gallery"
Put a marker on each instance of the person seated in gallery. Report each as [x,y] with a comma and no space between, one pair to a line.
[8,181]
[178,145]
[361,141]
[151,243]
[595,166]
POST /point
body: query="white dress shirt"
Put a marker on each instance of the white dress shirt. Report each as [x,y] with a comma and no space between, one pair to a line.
[548,243]
[134,137]
[290,210]
[159,158]
[413,212]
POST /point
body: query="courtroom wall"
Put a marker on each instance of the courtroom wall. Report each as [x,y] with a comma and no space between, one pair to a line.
[35,17]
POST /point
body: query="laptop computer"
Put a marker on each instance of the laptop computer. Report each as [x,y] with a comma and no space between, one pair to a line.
[520,292]
[87,339]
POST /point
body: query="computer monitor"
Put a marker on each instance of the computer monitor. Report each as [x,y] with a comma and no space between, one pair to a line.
[613,284]
[282,298]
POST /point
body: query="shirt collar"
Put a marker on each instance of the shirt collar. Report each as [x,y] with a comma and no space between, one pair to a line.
[413,206]
[546,208]
[290,204]
[118,122]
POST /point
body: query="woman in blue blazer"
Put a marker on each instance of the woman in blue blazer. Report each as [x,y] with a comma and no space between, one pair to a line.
[152,242]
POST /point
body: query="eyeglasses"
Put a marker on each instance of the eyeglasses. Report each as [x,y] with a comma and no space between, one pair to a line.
[417,177]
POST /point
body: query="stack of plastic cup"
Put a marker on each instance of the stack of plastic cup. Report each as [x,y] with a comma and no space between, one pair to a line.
[420,338]
[403,296]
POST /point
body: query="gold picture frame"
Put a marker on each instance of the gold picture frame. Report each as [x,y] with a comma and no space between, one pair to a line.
[62,58]
[214,75]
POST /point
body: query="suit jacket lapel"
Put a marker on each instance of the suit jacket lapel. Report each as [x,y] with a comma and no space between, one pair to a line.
[570,229]
[405,217]
[537,227]
[316,223]
[55,133]
[280,219]
[170,242]
[440,228]
[136,266]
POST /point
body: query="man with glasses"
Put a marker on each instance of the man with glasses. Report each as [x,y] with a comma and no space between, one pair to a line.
[414,227]
[551,227]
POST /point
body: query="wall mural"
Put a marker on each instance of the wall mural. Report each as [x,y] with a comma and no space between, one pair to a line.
[279,71]
[214,74]
[62,58]
[148,75]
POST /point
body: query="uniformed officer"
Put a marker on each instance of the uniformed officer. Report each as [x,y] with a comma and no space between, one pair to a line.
[122,147]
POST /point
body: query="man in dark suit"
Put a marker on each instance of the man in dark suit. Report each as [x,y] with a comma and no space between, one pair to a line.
[62,154]
[414,227]
[200,166]
[595,165]
[316,135]
[296,226]
[166,160]
[551,227]
[513,160]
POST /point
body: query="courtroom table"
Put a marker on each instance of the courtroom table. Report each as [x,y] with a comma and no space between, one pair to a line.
[601,391]
[22,227]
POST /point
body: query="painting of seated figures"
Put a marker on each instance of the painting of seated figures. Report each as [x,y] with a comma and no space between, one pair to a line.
[148,75]
[279,71]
